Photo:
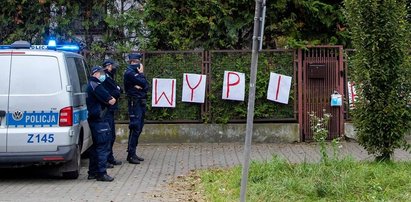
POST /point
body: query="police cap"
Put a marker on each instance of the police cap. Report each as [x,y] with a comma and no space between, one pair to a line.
[108,62]
[134,56]
[96,69]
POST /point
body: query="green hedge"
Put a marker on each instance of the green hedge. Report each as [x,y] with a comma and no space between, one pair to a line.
[172,64]
[223,111]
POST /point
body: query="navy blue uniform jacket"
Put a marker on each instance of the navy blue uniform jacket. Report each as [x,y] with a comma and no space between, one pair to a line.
[133,78]
[113,89]
[97,99]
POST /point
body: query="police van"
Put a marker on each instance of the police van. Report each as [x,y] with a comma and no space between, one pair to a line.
[43,114]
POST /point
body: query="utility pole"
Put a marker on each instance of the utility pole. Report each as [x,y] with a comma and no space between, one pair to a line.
[258,33]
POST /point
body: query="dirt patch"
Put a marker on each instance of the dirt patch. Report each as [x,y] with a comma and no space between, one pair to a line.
[182,188]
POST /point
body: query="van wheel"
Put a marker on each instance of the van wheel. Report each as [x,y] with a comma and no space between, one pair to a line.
[76,164]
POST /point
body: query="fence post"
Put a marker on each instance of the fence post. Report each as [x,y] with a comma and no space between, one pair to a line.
[206,70]
[300,93]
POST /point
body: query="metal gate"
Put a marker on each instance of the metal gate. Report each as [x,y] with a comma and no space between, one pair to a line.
[320,73]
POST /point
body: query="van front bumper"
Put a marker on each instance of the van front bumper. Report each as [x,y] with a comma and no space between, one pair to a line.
[13,159]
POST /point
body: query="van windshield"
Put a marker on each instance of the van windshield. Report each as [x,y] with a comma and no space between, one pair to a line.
[35,75]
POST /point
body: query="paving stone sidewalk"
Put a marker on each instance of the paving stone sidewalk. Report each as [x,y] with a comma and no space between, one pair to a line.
[164,162]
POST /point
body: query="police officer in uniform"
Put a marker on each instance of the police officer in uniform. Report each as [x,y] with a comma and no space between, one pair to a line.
[98,100]
[114,90]
[136,87]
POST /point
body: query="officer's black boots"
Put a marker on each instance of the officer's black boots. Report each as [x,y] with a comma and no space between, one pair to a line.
[133,160]
[105,178]
[135,157]
[91,176]
[116,162]
[109,166]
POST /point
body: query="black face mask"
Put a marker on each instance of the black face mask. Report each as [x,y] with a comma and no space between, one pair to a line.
[111,74]
[113,71]
[135,66]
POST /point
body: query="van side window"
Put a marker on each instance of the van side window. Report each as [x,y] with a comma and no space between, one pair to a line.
[74,80]
[35,75]
[88,68]
[82,74]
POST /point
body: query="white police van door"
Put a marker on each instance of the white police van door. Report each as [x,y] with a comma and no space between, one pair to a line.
[35,99]
[78,80]
[5,58]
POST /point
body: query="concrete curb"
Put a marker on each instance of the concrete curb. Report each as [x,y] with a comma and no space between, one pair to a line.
[212,133]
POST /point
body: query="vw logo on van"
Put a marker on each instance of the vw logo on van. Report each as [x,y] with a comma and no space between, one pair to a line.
[17,115]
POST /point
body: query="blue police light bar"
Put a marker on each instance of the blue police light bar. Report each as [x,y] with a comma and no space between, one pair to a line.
[51,46]
[71,48]
[52,43]
[4,47]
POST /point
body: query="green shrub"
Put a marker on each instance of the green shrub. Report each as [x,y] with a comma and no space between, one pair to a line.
[381,70]
[173,65]
[224,110]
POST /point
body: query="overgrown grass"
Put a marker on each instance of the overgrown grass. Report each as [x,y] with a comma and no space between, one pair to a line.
[339,180]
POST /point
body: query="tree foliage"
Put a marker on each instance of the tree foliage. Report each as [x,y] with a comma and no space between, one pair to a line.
[37,21]
[381,67]
[23,20]
[172,24]
[227,24]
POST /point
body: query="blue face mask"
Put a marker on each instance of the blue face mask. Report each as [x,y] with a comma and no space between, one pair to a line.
[102,77]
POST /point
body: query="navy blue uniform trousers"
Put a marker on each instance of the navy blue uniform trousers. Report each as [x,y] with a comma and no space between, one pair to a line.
[99,150]
[110,120]
[136,110]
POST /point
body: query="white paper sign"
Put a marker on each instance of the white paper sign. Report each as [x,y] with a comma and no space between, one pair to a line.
[194,86]
[279,88]
[164,93]
[234,86]
[352,94]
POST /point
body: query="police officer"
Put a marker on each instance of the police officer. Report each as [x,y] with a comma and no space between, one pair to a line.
[136,87]
[98,100]
[114,90]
